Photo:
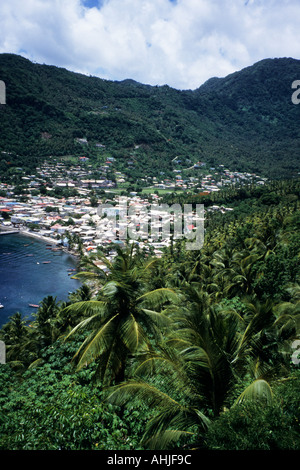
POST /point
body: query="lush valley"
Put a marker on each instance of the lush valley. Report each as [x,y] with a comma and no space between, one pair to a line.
[246,120]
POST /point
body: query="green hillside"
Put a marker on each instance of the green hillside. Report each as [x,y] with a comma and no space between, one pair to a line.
[246,120]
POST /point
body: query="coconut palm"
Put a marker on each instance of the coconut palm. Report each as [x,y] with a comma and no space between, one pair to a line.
[20,341]
[123,317]
[45,320]
[84,292]
[195,376]
[171,391]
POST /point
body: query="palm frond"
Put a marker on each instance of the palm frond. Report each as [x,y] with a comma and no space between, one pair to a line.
[85,275]
[140,390]
[131,333]
[164,439]
[257,390]
[82,324]
[158,318]
[173,424]
[157,297]
[86,307]
[94,309]
[100,342]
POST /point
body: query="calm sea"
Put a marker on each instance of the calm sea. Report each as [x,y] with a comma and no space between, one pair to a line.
[25,279]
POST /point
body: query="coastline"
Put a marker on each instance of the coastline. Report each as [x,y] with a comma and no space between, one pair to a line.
[39,236]
[22,282]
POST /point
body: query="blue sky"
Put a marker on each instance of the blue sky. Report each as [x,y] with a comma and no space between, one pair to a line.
[93,3]
[181,43]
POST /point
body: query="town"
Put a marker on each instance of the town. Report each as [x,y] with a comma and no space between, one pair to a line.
[61,203]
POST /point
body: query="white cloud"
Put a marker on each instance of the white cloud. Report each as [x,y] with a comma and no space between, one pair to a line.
[181,43]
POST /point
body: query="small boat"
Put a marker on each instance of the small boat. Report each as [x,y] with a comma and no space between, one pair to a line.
[46,262]
[33,305]
[1,306]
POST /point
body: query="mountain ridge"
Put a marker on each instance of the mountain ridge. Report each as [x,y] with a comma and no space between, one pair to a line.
[246,120]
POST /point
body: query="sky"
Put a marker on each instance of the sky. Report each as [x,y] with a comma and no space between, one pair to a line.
[180,43]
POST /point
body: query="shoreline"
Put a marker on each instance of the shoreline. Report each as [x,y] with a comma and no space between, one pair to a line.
[43,238]
[39,236]
[67,261]
[49,240]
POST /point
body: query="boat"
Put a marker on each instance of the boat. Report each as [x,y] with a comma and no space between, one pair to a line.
[33,305]
[1,306]
[46,262]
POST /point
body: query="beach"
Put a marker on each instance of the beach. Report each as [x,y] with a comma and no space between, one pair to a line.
[7,230]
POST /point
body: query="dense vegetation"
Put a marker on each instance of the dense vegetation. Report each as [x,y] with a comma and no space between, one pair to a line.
[193,350]
[246,120]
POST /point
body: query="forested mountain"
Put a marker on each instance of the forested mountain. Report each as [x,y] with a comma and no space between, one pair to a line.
[246,121]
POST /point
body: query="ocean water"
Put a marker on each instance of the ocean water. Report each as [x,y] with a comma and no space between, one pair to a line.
[25,279]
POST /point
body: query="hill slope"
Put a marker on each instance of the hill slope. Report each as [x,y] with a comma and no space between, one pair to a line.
[246,120]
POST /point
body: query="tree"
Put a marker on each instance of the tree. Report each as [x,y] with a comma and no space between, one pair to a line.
[45,321]
[123,318]
[209,362]
[18,341]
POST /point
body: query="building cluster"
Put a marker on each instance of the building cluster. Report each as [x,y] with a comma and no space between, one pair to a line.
[68,220]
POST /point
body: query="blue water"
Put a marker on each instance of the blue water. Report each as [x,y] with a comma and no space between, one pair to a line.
[24,279]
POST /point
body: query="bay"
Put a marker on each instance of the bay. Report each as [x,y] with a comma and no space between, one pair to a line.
[26,279]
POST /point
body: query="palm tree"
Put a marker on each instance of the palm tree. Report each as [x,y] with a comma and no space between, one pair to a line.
[19,339]
[195,376]
[123,318]
[167,383]
[84,292]
[210,336]
[45,321]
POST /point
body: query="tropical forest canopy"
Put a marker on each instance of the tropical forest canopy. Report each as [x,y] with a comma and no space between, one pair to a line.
[193,350]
